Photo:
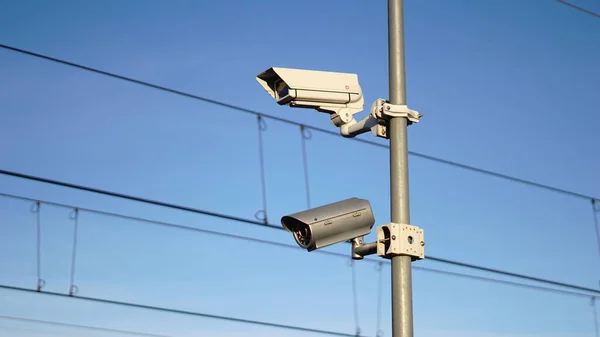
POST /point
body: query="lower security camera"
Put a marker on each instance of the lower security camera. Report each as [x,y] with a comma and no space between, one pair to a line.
[327,225]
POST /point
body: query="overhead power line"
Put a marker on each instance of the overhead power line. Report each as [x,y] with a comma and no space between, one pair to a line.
[289,246]
[516,275]
[260,223]
[579,8]
[78,326]
[134,198]
[508,283]
[449,273]
[181,312]
[287,121]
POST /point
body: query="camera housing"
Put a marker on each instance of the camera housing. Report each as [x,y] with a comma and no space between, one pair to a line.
[338,94]
[330,224]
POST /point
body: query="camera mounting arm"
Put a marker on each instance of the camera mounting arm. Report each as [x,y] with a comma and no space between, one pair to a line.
[360,249]
[392,239]
[377,120]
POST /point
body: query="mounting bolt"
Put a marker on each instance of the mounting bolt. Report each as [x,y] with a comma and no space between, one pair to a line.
[393,237]
[422,243]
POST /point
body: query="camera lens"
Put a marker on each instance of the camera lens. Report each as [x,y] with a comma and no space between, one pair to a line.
[303,236]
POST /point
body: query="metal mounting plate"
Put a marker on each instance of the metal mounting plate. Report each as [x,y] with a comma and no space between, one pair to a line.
[400,239]
[393,110]
[383,111]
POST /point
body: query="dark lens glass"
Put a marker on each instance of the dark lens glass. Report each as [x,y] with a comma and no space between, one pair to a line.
[303,236]
[282,89]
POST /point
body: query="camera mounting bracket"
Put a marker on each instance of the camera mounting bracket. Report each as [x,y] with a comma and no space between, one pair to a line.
[383,111]
[400,239]
[378,118]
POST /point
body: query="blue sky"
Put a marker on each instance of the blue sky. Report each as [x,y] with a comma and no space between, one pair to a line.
[508,86]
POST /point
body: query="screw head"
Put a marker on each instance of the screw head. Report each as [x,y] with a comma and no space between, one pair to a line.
[387,107]
[393,237]
[422,243]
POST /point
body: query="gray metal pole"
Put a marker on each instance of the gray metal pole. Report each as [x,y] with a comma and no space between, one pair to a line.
[402,310]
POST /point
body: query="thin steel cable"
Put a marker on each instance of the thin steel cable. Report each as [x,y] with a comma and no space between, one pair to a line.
[284,245]
[134,198]
[594,311]
[283,120]
[499,175]
[596,210]
[585,10]
[248,221]
[75,217]
[509,283]
[516,275]
[304,136]
[355,298]
[79,326]
[182,312]
[262,127]
[379,331]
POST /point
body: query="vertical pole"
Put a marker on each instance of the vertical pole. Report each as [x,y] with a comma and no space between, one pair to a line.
[402,318]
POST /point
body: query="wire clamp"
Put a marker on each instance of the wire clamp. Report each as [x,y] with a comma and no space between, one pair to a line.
[382,110]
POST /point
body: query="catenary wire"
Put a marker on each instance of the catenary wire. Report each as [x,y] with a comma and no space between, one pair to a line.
[287,121]
[596,210]
[284,245]
[79,326]
[23,331]
[260,223]
[511,283]
[181,312]
[516,275]
[134,198]
[585,10]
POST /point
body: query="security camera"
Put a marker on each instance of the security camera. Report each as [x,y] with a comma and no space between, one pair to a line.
[327,225]
[338,94]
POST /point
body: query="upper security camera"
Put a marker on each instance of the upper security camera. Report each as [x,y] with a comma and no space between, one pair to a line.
[327,225]
[338,94]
